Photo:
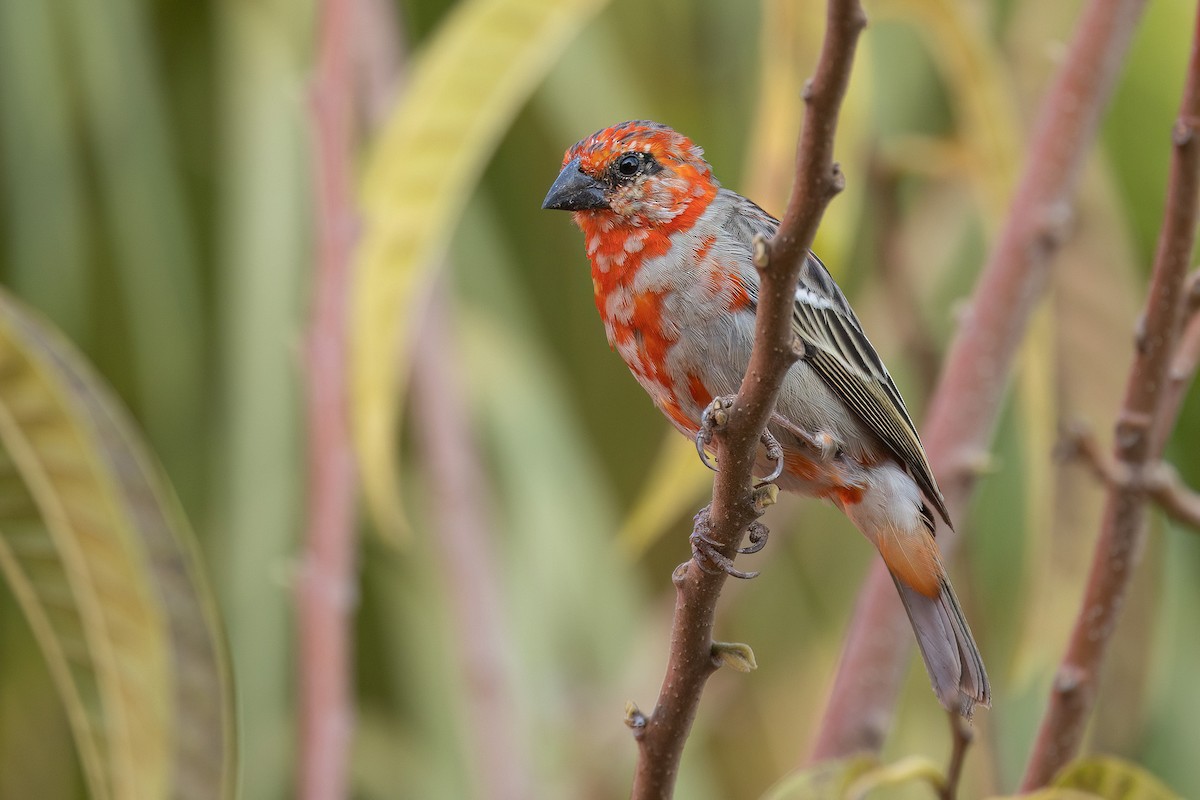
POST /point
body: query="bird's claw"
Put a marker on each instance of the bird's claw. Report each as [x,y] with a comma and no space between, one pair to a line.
[775,453]
[757,534]
[713,418]
[702,439]
[709,558]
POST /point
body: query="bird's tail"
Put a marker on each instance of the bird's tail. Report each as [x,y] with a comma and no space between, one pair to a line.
[890,513]
[951,656]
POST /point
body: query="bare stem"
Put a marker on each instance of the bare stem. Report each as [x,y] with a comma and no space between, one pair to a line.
[1160,482]
[460,496]
[961,736]
[965,405]
[1123,529]
[325,590]
[1183,366]
[662,734]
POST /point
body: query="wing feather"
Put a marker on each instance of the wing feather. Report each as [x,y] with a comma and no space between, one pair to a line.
[839,351]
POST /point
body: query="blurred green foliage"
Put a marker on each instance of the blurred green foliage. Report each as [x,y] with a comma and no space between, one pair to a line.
[155,184]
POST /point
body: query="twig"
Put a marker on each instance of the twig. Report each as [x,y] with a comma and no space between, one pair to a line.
[325,591]
[964,408]
[1123,531]
[662,734]
[1183,366]
[1159,481]
[1176,499]
[960,739]
[465,545]
[379,60]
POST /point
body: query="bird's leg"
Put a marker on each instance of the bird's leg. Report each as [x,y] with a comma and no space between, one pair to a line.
[826,444]
[709,558]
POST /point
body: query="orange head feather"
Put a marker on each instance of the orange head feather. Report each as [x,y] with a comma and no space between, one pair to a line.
[641,175]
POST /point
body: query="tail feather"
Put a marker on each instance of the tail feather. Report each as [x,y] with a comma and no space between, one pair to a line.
[951,656]
[891,514]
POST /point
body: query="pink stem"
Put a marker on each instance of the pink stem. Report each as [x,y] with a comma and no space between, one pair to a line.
[1137,449]
[967,401]
[325,591]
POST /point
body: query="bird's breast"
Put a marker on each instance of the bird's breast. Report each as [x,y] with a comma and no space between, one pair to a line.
[682,320]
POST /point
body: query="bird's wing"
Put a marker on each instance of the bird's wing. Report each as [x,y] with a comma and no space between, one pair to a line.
[838,350]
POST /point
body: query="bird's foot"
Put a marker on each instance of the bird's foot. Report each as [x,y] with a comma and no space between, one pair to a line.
[713,419]
[775,453]
[706,552]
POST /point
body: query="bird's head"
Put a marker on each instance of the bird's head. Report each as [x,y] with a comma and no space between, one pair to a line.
[637,174]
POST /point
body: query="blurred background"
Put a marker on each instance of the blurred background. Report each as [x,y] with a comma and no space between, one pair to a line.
[157,205]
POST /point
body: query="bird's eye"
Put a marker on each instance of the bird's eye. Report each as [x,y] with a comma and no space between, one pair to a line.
[629,165]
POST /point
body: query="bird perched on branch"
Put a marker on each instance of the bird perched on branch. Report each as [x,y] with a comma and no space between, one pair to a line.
[674,281]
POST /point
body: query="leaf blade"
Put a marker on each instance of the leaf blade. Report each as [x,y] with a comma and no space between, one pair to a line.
[466,87]
[100,559]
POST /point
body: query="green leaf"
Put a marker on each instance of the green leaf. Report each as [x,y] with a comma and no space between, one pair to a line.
[828,780]
[100,559]
[466,87]
[1113,779]
[143,206]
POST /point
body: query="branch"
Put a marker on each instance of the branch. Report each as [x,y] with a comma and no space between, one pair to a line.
[1123,530]
[1183,366]
[1177,500]
[1158,481]
[961,735]
[662,734]
[325,591]
[964,408]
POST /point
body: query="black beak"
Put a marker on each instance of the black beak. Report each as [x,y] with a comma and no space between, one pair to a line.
[574,191]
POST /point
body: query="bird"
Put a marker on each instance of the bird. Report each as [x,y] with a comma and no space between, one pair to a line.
[673,278]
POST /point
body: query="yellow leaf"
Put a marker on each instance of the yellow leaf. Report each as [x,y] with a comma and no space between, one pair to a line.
[1112,779]
[466,86]
[829,780]
[1102,778]
[735,655]
[897,773]
[100,559]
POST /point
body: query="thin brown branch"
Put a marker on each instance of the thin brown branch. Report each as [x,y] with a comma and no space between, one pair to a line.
[1183,366]
[325,590]
[1123,528]
[1159,481]
[961,736]
[1175,498]
[967,401]
[379,62]
[734,507]
[466,552]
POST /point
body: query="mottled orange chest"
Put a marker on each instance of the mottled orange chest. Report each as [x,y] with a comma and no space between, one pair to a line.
[632,316]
